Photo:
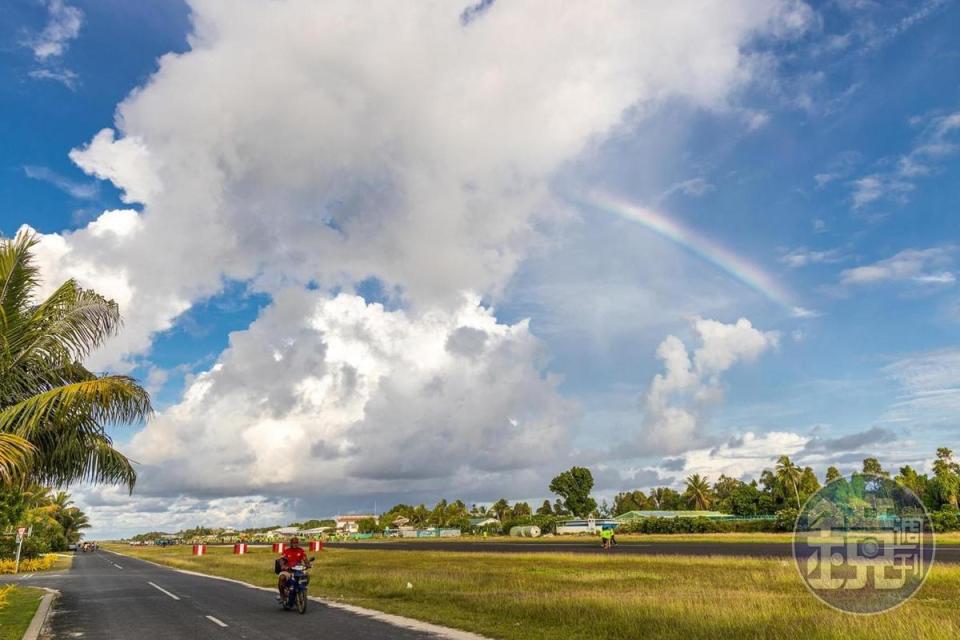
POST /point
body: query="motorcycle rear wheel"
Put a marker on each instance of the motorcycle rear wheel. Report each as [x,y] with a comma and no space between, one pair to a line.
[301,602]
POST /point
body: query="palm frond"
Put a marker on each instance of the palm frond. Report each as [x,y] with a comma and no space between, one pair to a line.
[19,276]
[67,326]
[15,456]
[104,400]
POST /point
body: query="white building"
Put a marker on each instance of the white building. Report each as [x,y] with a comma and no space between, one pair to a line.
[349,524]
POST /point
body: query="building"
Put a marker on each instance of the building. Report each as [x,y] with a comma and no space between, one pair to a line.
[349,524]
[588,525]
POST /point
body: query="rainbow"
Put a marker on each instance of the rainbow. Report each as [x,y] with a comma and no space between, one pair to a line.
[727,261]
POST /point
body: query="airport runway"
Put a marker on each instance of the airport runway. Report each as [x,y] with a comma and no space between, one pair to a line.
[751,549]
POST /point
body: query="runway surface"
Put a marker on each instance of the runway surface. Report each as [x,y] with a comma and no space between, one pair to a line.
[949,554]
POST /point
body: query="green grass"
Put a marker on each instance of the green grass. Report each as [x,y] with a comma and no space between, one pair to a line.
[16,614]
[534,596]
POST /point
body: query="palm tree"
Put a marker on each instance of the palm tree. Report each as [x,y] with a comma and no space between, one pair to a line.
[788,475]
[72,520]
[698,492]
[53,411]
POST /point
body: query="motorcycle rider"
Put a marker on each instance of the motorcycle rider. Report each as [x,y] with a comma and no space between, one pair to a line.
[292,556]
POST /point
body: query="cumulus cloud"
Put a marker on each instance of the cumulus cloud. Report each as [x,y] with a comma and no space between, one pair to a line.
[678,399]
[921,266]
[743,457]
[114,513]
[337,395]
[302,147]
[303,142]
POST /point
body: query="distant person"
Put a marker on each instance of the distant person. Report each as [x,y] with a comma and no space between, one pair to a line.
[292,556]
[606,537]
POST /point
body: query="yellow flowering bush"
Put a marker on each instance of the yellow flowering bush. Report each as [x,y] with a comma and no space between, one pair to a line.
[29,566]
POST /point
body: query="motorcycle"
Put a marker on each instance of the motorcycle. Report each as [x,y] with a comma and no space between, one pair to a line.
[296,589]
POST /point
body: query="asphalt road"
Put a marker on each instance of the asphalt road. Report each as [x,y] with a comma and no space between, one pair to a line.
[752,549]
[106,596]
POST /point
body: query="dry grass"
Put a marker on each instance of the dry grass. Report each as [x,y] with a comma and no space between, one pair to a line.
[533,596]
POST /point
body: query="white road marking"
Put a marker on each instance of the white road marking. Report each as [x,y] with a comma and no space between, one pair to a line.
[27,577]
[162,590]
[397,621]
[117,566]
[215,621]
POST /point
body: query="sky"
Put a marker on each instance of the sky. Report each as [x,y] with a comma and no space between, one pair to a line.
[372,253]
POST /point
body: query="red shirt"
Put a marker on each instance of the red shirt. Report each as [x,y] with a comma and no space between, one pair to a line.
[294,555]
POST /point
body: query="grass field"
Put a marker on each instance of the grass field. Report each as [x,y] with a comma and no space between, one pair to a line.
[17,612]
[548,596]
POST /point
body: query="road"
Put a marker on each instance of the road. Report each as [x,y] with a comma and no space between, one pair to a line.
[106,596]
[753,549]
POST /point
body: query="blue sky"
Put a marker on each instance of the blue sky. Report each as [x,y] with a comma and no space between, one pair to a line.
[272,189]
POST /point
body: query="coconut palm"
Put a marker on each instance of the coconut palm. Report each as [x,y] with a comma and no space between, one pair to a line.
[788,475]
[53,411]
[698,492]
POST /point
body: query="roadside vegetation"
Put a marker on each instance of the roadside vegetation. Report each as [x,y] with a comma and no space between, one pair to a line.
[54,412]
[545,596]
[17,606]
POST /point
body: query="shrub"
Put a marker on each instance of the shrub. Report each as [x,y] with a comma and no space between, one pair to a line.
[28,565]
[33,546]
[694,525]
[945,520]
[786,519]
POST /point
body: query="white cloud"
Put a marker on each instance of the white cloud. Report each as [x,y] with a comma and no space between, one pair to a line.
[63,25]
[126,163]
[872,188]
[115,514]
[49,46]
[679,398]
[302,147]
[694,187]
[802,257]
[79,190]
[286,147]
[336,396]
[743,457]
[936,141]
[923,266]
[66,77]
[929,388]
